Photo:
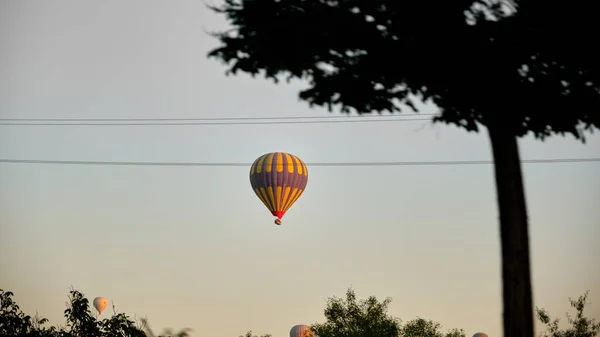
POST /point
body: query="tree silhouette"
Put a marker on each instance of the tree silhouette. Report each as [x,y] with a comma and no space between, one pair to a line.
[580,326]
[79,322]
[350,317]
[347,317]
[249,334]
[513,67]
[426,328]
[13,322]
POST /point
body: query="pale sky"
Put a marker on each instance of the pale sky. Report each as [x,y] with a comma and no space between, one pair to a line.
[193,246]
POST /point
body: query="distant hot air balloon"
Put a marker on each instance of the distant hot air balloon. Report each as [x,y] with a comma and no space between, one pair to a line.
[301,330]
[278,179]
[100,304]
[480,334]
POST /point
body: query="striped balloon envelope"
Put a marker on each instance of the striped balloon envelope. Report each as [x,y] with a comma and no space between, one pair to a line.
[301,330]
[278,179]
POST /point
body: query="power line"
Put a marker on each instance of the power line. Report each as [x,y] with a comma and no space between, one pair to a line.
[216,123]
[200,119]
[322,164]
[207,121]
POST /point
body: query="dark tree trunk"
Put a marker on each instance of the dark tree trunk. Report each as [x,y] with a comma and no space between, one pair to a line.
[516,278]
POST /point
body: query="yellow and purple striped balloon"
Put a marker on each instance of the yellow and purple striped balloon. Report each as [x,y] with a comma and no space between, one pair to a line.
[278,179]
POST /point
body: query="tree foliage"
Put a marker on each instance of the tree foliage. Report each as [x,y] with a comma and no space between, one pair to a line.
[80,322]
[579,326]
[350,317]
[249,334]
[426,328]
[13,322]
[478,60]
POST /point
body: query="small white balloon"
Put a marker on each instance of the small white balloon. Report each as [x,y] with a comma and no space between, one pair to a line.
[100,304]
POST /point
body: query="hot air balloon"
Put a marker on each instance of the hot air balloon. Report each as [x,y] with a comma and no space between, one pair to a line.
[480,334]
[100,304]
[301,330]
[278,179]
